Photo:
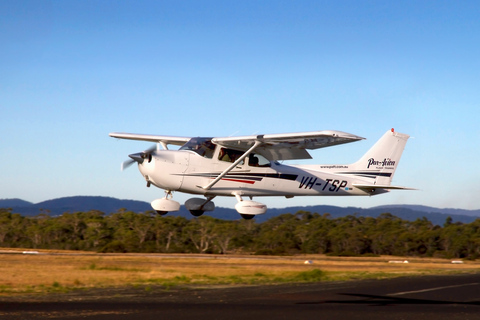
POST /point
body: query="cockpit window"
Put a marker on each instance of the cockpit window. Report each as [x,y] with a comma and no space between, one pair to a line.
[257,160]
[202,146]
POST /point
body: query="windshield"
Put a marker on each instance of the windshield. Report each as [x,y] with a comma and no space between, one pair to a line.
[202,146]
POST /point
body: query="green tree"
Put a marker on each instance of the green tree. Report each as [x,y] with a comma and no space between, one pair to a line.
[200,232]
[277,235]
[223,233]
[5,221]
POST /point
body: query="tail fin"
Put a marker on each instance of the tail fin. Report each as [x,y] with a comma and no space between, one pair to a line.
[381,161]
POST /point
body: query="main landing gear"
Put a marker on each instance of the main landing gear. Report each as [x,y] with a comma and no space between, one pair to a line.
[248,209]
[196,206]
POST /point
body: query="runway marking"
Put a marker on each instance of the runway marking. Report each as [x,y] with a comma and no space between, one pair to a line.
[433,289]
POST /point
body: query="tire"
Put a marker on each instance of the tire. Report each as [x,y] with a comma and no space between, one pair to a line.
[196,213]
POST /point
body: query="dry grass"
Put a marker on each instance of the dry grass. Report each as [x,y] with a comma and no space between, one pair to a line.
[51,271]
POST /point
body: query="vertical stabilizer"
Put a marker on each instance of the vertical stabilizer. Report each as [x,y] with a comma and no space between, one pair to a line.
[381,161]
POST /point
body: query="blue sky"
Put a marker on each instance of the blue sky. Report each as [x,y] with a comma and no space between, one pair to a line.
[73,71]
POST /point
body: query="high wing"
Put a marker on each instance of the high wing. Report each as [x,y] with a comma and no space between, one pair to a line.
[288,146]
[164,140]
[282,146]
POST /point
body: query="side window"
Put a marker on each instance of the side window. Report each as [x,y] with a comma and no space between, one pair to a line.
[230,155]
[257,160]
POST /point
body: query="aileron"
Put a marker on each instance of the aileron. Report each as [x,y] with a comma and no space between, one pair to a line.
[179,141]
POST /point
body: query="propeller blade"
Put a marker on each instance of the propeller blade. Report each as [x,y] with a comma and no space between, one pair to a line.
[137,157]
[126,164]
[149,150]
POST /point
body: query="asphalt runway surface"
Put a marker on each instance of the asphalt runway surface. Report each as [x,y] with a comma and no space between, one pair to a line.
[429,297]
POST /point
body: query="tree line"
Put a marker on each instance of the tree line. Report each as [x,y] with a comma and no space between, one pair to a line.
[300,233]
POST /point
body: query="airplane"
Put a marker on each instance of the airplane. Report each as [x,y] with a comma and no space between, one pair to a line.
[250,166]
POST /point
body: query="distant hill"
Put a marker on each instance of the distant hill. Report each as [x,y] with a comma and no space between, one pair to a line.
[10,203]
[110,205]
[59,206]
[475,213]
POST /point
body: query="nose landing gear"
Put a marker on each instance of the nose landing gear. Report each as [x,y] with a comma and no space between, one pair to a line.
[166,204]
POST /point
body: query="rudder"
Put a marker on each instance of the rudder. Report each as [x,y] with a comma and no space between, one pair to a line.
[381,161]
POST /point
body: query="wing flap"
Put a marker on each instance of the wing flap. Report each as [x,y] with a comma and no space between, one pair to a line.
[288,146]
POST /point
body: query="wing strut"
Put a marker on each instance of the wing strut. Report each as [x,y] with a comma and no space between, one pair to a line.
[233,165]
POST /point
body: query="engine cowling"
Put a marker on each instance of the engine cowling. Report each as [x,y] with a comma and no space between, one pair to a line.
[250,207]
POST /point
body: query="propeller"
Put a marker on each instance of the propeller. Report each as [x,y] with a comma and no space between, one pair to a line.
[138,157]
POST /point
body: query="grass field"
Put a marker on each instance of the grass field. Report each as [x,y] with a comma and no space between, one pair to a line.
[63,271]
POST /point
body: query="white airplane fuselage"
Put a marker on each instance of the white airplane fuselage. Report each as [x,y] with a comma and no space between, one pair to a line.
[186,171]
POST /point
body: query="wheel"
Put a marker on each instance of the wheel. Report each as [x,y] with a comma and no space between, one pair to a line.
[162,213]
[196,213]
[247,216]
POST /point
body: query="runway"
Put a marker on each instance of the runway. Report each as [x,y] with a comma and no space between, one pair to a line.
[430,297]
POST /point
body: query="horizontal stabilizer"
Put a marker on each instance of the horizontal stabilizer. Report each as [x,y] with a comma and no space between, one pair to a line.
[378,186]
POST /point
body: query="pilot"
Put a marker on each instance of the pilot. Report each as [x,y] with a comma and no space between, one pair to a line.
[209,148]
[224,156]
[253,161]
[205,149]
[198,148]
